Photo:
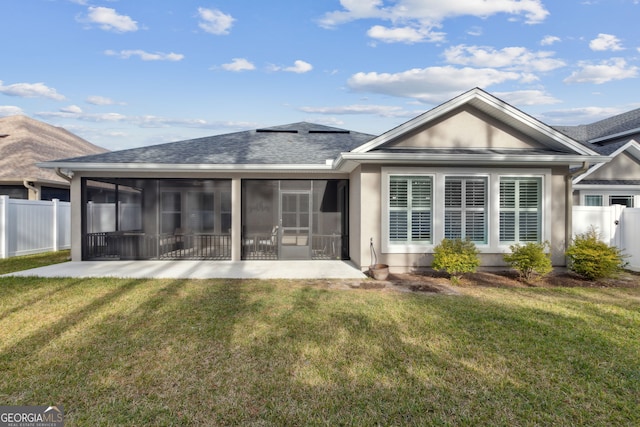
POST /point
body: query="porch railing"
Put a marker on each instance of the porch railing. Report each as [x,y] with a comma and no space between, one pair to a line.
[139,245]
[265,246]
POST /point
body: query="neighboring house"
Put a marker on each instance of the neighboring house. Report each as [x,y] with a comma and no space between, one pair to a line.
[616,182]
[474,167]
[25,142]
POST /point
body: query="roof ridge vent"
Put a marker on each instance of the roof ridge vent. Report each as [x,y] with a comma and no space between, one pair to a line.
[271,130]
[329,131]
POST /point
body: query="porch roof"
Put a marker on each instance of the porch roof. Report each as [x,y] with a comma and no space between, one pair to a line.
[302,145]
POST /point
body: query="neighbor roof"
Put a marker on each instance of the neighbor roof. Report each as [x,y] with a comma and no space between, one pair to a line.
[26,141]
[300,143]
[609,128]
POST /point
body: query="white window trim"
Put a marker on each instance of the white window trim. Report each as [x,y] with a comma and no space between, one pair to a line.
[493,176]
[608,193]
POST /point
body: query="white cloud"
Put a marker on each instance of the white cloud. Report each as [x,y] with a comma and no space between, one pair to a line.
[582,115]
[407,35]
[109,20]
[514,58]
[475,31]
[432,84]
[605,71]
[298,66]
[31,90]
[527,97]
[424,15]
[146,121]
[10,110]
[239,64]
[549,40]
[378,110]
[74,109]
[605,42]
[101,100]
[146,56]
[215,21]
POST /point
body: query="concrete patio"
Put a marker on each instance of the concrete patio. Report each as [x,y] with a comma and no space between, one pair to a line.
[200,270]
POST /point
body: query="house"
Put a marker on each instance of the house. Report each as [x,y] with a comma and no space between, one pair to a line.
[474,167]
[25,142]
[618,181]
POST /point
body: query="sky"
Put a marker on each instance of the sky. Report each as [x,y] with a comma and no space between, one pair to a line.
[131,73]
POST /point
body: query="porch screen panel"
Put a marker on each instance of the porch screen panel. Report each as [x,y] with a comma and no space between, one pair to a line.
[520,210]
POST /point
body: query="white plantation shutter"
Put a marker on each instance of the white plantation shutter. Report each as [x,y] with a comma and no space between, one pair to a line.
[520,210]
[410,204]
[465,208]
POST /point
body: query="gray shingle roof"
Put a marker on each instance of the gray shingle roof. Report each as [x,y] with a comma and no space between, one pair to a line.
[610,126]
[296,143]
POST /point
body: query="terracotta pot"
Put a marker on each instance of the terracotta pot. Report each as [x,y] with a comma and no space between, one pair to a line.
[379,271]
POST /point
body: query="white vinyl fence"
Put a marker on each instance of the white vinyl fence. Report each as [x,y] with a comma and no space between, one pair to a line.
[617,225]
[33,226]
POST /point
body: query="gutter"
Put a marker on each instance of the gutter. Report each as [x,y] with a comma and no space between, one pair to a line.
[63,175]
[569,202]
[28,184]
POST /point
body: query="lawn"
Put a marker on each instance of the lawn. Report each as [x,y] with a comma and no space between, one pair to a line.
[9,265]
[220,352]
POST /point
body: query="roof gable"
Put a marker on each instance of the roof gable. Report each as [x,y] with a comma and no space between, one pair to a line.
[509,122]
[624,165]
[465,127]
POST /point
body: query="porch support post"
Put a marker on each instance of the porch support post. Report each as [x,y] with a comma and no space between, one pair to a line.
[236,219]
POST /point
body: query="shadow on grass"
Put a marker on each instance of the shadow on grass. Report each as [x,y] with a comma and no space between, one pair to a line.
[268,353]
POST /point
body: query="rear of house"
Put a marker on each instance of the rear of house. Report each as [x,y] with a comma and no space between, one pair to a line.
[474,168]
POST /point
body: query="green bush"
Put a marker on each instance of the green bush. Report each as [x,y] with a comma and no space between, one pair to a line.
[456,257]
[593,259]
[529,259]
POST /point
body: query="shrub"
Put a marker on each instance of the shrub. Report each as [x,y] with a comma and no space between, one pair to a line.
[529,259]
[456,257]
[593,259]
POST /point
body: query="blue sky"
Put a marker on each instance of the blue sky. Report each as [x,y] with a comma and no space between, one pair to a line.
[128,73]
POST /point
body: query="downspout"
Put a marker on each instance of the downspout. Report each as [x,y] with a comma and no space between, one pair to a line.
[569,202]
[28,185]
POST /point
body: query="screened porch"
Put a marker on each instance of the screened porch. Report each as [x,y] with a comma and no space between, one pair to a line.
[156,219]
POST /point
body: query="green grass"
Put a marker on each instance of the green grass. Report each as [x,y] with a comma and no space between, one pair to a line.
[19,263]
[152,352]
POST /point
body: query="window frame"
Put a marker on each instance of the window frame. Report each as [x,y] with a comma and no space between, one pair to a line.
[464,208]
[409,209]
[519,210]
[438,174]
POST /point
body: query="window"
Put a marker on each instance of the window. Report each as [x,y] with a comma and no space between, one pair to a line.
[593,200]
[410,207]
[465,208]
[621,200]
[520,210]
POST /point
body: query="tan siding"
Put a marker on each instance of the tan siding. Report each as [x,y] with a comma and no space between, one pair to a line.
[466,128]
[355,212]
[623,166]
[558,215]
[370,213]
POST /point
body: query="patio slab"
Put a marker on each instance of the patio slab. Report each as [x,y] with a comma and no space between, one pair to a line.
[200,270]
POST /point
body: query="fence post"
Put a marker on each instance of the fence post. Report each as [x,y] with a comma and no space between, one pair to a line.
[56,228]
[4,226]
